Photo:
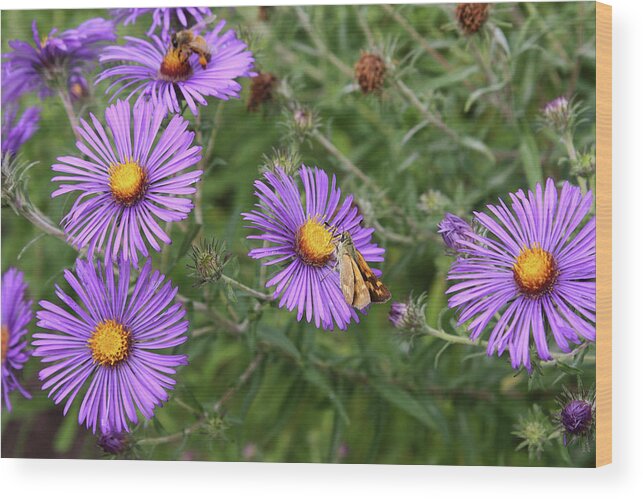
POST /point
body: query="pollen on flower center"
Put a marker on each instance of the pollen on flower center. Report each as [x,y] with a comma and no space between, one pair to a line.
[110,343]
[535,271]
[5,341]
[127,181]
[175,66]
[314,243]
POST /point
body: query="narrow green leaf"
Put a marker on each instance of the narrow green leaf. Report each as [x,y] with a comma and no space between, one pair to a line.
[530,160]
[65,435]
[478,146]
[404,401]
[186,243]
[314,377]
[451,78]
[476,94]
[278,339]
[566,368]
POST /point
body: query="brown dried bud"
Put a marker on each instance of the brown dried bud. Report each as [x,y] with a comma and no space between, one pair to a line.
[261,90]
[264,13]
[370,71]
[471,16]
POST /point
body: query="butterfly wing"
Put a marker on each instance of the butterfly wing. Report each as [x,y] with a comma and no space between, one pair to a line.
[361,298]
[378,293]
[347,277]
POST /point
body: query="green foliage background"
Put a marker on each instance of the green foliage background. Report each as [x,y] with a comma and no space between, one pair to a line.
[359,396]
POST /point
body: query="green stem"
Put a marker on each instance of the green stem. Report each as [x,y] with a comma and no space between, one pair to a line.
[425,111]
[69,110]
[451,338]
[246,289]
[304,19]
[216,409]
[568,141]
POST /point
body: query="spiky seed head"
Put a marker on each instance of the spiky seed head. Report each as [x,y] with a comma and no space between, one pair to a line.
[261,90]
[471,16]
[370,72]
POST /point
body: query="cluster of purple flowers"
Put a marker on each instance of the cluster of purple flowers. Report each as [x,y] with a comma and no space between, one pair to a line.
[46,65]
[135,171]
[527,274]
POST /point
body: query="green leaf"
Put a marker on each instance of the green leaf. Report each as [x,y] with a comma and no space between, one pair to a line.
[476,94]
[314,377]
[478,146]
[530,160]
[186,243]
[65,435]
[500,38]
[451,78]
[278,339]
[566,368]
[404,401]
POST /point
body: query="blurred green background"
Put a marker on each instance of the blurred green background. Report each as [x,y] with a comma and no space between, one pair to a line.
[360,396]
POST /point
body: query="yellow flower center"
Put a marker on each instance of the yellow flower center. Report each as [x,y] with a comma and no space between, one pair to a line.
[5,341]
[535,270]
[110,343]
[175,66]
[127,181]
[314,243]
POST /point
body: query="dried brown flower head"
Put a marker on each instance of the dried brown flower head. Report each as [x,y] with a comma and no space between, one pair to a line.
[261,89]
[471,16]
[264,13]
[370,71]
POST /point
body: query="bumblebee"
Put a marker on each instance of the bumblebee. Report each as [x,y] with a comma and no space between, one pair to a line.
[186,43]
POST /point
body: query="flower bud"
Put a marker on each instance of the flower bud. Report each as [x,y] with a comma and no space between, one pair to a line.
[216,428]
[577,416]
[250,451]
[208,260]
[432,202]
[285,159]
[114,442]
[558,114]
[409,316]
[455,233]
[535,431]
[397,314]
[585,165]
[303,119]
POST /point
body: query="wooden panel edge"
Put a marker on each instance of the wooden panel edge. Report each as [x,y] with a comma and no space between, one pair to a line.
[603,234]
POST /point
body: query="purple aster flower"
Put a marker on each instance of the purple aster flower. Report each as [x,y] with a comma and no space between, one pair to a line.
[535,268]
[166,72]
[168,19]
[107,343]
[302,237]
[16,315]
[45,66]
[453,230]
[130,182]
[14,134]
